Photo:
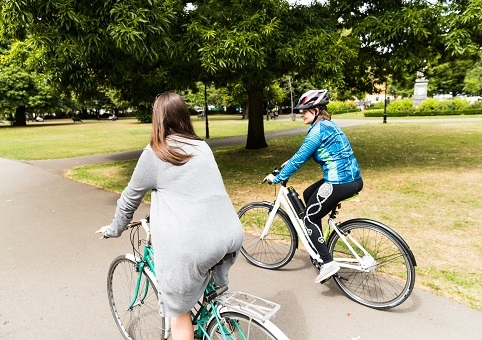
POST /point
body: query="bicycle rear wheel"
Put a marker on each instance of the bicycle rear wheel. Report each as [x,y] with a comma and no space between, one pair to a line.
[239,326]
[143,320]
[391,276]
[278,247]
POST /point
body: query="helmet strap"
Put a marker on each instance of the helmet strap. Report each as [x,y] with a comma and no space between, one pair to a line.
[315,118]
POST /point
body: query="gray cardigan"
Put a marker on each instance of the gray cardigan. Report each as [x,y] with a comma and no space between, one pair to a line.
[193,222]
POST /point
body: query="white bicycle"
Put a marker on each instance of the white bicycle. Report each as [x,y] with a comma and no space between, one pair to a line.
[377,265]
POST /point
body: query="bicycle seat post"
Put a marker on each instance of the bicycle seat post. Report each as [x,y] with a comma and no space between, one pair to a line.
[334,212]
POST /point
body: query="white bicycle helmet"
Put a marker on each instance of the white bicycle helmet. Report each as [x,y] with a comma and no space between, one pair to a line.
[313,98]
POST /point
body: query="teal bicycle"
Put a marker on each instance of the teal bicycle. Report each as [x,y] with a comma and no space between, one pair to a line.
[220,314]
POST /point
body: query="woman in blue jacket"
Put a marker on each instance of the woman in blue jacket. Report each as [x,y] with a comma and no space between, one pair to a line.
[341,179]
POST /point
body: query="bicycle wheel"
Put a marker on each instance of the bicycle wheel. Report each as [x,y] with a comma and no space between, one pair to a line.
[143,320]
[279,245]
[391,276]
[239,326]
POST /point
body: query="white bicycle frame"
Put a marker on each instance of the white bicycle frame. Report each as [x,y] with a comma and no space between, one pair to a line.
[356,263]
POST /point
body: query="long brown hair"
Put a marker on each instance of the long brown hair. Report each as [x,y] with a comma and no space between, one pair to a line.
[170,116]
[323,114]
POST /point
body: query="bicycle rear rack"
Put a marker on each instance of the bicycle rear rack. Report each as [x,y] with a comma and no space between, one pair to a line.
[250,305]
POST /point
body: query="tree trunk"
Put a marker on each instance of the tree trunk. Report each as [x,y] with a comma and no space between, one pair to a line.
[256,139]
[245,108]
[20,119]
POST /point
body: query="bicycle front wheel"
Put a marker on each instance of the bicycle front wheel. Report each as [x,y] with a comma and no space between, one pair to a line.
[239,326]
[142,320]
[277,248]
[391,274]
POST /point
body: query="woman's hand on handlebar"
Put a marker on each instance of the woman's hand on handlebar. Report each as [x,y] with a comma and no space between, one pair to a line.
[268,179]
[102,231]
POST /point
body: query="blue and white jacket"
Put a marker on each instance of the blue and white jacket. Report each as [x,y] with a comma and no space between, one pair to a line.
[326,143]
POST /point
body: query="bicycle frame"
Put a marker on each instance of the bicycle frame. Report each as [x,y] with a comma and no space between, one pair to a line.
[283,200]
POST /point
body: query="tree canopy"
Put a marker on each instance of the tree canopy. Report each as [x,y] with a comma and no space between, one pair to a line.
[138,48]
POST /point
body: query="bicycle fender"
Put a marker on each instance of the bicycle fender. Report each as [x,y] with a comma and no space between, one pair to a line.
[388,229]
[271,327]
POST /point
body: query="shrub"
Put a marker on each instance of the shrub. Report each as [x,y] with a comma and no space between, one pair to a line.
[335,107]
[377,105]
[460,104]
[455,104]
[401,105]
[476,105]
[446,105]
[430,104]
[144,115]
[379,113]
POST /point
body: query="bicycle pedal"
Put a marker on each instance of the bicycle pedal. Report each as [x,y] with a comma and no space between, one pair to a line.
[325,280]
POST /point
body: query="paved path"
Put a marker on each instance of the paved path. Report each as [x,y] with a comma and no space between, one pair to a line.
[53,274]
[61,165]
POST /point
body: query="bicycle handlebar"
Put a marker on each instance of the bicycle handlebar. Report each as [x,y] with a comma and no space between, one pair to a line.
[143,222]
[275,172]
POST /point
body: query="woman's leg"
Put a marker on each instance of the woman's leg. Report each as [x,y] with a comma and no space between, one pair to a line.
[320,199]
[318,205]
[181,327]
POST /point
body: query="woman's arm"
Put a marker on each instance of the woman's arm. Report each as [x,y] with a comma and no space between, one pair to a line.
[143,179]
[306,150]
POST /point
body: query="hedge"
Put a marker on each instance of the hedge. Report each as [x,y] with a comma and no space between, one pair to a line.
[337,107]
[424,113]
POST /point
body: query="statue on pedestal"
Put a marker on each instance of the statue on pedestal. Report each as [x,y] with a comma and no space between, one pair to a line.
[420,89]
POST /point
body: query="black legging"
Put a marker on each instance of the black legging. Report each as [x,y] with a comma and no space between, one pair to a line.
[320,199]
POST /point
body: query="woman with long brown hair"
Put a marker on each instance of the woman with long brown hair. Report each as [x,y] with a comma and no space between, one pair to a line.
[193,222]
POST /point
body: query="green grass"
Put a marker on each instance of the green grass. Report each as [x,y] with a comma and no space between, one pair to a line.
[64,139]
[423,180]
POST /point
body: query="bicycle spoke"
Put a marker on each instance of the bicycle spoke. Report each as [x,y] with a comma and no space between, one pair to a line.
[278,246]
[142,321]
[390,273]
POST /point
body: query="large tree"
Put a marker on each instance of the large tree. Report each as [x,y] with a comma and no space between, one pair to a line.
[82,46]
[448,77]
[141,47]
[23,91]
[473,80]
[256,42]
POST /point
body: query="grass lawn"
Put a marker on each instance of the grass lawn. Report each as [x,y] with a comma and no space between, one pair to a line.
[423,180]
[64,139]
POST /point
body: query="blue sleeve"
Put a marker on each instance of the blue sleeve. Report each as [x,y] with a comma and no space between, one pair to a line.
[306,150]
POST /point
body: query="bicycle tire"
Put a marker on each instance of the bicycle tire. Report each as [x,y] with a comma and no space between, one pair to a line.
[392,277]
[143,321]
[240,326]
[278,247]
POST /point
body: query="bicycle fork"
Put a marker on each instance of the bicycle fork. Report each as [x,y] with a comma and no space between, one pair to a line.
[271,217]
[135,302]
